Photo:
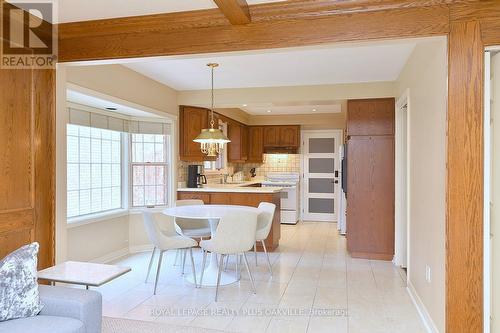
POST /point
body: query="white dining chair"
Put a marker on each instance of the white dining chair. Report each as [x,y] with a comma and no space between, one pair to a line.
[235,234]
[194,228]
[164,240]
[264,223]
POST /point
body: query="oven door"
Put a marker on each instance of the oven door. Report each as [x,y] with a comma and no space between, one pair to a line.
[289,198]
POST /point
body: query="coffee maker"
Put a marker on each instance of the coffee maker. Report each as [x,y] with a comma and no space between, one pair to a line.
[196,178]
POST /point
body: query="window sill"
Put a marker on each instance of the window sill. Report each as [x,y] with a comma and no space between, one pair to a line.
[139,210]
[98,217]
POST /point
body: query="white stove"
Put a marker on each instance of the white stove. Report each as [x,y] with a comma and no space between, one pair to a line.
[289,196]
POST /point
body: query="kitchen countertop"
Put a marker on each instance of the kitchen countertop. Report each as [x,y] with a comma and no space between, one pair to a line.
[240,187]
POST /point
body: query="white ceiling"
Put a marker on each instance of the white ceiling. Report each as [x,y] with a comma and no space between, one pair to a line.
[101,104]
[312,107]
[85,10]
[344,63]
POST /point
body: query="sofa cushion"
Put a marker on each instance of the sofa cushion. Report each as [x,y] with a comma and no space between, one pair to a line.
[42,324]
[18,284]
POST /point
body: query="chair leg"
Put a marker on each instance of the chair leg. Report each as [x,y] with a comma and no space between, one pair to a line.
[183,260]
[150,263]
[221,263]
[238,266]
[249,273]
[225,265]
[176,257]
[192,266]
[203,266]
[267,255]
[255,252]
[158,271]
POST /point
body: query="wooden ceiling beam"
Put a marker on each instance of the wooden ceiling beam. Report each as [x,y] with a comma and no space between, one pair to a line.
[236,11]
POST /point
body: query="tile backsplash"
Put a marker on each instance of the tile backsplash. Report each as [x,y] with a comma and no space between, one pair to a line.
[272,163]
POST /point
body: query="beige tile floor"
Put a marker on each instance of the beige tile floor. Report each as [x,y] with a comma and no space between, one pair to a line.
[312,270]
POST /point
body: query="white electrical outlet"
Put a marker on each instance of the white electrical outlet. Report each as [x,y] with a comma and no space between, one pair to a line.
[427,274]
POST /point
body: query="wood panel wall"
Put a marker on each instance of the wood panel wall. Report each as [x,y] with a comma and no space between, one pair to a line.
[464,227]
[473,25]
[27,159]
[27,162]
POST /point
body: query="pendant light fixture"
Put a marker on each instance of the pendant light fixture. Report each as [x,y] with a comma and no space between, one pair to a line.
[212,139]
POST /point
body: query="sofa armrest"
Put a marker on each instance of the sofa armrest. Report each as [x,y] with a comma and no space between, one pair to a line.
[85,305]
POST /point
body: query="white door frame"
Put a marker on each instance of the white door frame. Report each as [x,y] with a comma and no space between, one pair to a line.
[402,182]
[303,191]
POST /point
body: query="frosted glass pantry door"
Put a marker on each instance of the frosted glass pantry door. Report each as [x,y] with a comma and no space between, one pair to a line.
[321,175]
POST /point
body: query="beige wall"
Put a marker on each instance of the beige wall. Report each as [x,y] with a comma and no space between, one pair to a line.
[108,237]
[126,84]
[235,113]
[307,121]
[333,92]
[425,75]
[99,240]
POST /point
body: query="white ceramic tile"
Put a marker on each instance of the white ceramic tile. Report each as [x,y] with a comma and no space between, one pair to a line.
[311,271]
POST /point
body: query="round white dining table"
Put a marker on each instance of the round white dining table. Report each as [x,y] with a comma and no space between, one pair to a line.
[212,213]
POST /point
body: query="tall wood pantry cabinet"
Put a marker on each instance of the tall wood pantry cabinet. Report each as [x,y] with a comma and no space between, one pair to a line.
[370,178]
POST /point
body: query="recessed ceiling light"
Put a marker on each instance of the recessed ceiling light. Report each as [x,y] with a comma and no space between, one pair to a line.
[111,108]
[268,111]
[314,110]
[245,105]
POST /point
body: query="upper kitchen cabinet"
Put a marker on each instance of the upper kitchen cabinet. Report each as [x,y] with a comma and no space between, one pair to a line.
[289,136]
[191,121]
[237,149]
[255,144]
[370,117]
[282,136]
[271,136]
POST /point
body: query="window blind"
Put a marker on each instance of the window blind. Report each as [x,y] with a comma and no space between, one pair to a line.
[97,120]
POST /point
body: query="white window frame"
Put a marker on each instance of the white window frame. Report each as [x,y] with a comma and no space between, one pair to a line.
[106,214]
[167,153]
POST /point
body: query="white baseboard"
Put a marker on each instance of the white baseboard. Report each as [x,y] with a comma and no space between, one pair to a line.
[422,310]
[111,256]
[141,248]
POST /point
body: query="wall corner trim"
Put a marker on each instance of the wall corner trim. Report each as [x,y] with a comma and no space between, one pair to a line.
[429,324]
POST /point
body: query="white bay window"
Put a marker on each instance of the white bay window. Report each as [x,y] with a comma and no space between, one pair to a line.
[102,150]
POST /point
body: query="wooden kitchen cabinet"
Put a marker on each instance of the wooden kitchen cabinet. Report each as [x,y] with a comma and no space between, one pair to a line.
[191,121]
[370,197]
[370,178]
[255,144]
[289,136]
[237,149]
[271,136]
[371,116]
[205,197]
[246,199]
[282,136]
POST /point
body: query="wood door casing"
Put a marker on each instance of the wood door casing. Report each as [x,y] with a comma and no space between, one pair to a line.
[370,199]
[27,162]
[370,116]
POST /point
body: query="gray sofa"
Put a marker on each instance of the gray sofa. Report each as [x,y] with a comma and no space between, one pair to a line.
[65,310]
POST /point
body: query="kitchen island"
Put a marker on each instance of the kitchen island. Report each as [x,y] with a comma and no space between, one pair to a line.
[246,194]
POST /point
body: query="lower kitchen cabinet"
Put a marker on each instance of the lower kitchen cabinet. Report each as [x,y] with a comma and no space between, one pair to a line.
[244,199]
